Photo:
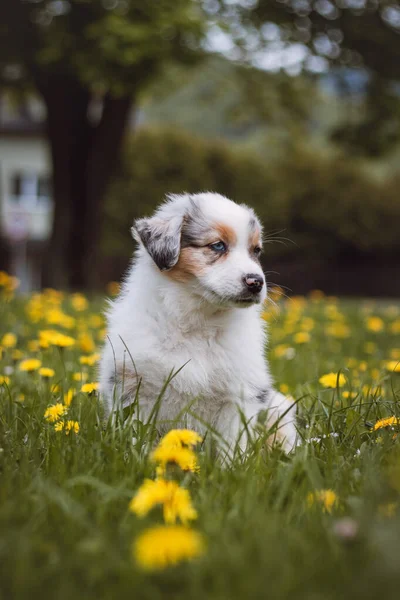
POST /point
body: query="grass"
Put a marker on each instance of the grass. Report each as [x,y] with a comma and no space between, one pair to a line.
[65,527]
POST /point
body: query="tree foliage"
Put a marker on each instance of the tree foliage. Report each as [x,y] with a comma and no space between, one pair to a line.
[103,43]
[90,61]
[345,32]
[351,34]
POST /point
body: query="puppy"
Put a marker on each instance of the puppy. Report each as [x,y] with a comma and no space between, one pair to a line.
[191,303]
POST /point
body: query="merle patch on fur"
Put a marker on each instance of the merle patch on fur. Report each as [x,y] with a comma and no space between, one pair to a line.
[195,227]
[162,240]
[262,396]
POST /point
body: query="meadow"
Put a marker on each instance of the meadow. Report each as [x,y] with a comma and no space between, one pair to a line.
[78,497]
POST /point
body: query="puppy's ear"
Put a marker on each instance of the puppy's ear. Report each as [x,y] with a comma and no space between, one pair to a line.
[161,238]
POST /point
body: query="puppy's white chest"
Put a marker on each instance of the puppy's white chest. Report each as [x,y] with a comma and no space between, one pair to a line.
[211,370]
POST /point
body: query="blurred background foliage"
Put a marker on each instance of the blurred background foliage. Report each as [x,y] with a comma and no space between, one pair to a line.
[292,106]
[313,203]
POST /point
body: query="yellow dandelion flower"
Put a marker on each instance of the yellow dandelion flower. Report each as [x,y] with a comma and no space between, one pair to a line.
[46,372]
[338,330]
[9,340]
[326,498]
[63,341]
[8,283]
[160,472]
[395,326]
[371,390]
[55,316]
[302,337]
[79,302]
[386,422]
[180,437]
[33,345]
[96,321]
[4,277]
[80,376]
[297,303]
[332,312]
[50,337]
[393,366]
[165,546]
[71,426]
[53,296]
[175,500]
[375,324]
[350,395]
[113,288]
[332,380]
[86,343]
[89,388]
[282,350]
[284,388]
[307,324]
[59,426]
[68,397]
[269,313]
[30,364]
[183,457]
[54,412]
[4,380]
[89,360]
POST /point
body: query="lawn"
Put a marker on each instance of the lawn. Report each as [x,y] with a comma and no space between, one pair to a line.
[322,523]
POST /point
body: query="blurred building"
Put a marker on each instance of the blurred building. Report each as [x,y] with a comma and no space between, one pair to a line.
[25,193]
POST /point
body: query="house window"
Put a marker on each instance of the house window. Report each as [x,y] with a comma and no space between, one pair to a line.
[44,187]
[16,186]
[30,187]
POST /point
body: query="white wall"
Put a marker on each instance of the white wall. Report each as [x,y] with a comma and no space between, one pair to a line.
[21,154]
[24,155]
[29,218]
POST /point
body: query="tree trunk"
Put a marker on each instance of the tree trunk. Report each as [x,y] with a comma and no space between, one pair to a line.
[100,161]
[83,158]
[67,130]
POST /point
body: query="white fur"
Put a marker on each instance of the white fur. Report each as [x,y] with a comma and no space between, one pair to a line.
[166,324]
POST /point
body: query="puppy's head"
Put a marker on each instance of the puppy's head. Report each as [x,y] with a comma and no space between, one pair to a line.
[208,243]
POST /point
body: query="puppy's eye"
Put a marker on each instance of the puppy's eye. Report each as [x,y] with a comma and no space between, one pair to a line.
[218,247]
[257,250]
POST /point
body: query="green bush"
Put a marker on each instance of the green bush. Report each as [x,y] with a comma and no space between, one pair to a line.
[335,205]
[326,205]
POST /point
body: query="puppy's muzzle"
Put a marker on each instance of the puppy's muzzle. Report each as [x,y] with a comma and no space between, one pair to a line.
[254,283]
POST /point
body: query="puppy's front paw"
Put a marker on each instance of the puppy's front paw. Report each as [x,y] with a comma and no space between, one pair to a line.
[282,419]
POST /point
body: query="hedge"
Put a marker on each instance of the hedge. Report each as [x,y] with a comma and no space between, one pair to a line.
[317,204]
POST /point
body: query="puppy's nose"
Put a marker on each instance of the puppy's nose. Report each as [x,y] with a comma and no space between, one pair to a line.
[253,282]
